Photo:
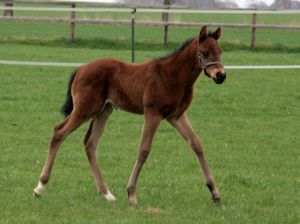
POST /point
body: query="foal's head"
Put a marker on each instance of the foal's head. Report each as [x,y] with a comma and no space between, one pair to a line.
[209,55]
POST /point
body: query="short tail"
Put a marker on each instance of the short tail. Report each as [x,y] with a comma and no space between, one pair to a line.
[67,108]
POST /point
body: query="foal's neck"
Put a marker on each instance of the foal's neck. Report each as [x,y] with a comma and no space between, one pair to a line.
[183,66]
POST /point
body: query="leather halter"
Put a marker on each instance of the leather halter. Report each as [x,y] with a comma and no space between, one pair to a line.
[202,61]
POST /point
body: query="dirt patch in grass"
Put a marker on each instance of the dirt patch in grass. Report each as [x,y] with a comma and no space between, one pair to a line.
[155,211]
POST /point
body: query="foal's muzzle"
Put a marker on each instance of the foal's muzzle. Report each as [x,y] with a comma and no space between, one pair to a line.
[220,77]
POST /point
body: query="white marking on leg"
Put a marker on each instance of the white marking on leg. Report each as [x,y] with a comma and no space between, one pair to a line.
[109,196]
[39,190]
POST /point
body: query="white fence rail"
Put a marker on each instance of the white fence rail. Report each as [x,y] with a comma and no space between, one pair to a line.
[71,64]
[147,10]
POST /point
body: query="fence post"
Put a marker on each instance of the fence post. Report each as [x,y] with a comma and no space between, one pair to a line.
[72,23]
[9,12]
[165,18]
[253,33]
[133,11]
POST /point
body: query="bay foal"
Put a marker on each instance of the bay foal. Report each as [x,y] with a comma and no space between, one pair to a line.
[160,89]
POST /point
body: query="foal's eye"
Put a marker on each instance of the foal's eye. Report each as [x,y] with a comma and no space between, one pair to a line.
[205,54]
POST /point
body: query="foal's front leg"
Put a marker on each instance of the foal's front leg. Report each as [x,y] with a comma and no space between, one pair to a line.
[185,129]
[151,124]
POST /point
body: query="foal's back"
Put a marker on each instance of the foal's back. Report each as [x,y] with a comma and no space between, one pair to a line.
[117,82]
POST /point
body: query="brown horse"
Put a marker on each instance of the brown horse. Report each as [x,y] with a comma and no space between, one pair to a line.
[160,89]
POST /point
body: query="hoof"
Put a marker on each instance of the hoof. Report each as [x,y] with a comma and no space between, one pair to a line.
[132,201]
[39,190]
[217,200]
[35,194]
[109,196]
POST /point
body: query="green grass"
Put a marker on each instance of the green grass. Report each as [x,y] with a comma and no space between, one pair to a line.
[249,126]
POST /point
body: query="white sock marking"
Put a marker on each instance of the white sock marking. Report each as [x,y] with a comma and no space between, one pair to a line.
[109,196]
[39,190]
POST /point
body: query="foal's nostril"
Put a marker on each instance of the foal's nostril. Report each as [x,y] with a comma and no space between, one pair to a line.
[220,76]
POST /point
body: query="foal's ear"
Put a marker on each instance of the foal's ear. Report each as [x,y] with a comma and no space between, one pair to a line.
[217,34]
[203,33]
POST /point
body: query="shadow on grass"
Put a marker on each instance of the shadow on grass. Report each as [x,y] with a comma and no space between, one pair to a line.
[125,44]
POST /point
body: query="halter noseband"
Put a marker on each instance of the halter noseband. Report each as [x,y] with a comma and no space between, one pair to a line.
[202,61]
[204,64]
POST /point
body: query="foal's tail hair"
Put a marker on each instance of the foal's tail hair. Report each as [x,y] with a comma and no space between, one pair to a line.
[67,107]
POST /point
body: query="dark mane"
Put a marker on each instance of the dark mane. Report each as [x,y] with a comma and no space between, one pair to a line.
[176,50]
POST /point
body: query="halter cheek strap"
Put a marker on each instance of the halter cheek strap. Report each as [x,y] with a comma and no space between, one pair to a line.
[202,61]
[205,64]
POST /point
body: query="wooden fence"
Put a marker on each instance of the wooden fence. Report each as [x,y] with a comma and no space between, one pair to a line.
[72,7]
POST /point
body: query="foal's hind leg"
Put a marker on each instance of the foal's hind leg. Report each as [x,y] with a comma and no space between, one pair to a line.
[61,131]
[185,129]
[91,142]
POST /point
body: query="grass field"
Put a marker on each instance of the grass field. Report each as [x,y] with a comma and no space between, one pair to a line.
[249,126]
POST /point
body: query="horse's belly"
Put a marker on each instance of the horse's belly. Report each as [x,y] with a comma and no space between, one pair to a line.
[127,94]
[122,103]
[130,108]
